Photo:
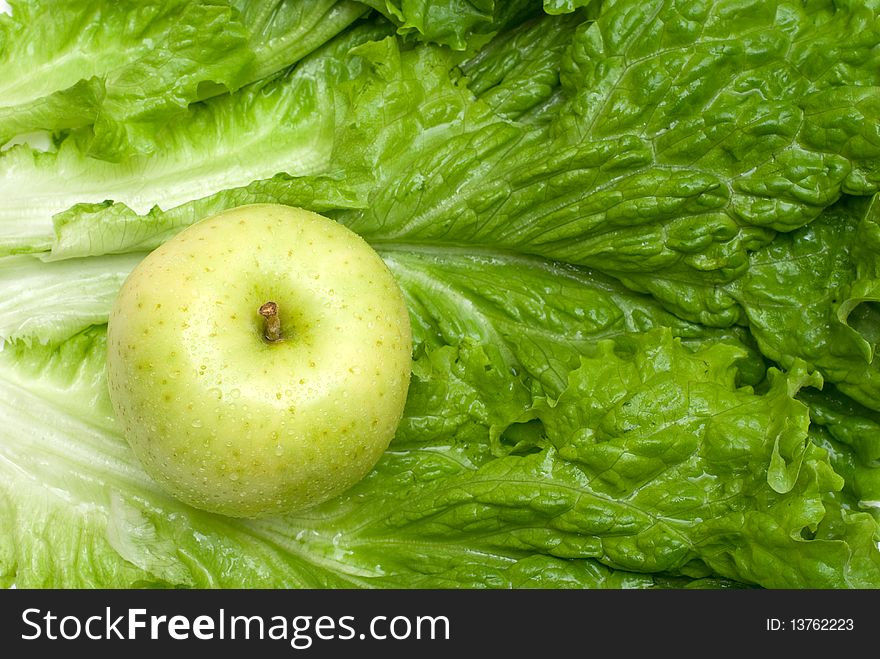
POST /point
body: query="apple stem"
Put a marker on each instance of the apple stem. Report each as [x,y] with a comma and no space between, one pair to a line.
[269,311]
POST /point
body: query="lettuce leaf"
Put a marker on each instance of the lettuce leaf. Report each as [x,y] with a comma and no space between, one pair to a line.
[517,73]
[168,46]
[459,24]
[49,303]
[846,421]
[126,70]
[278,125]
[502,495]
[94,487]
[665,205]
[821,283]
[637,244]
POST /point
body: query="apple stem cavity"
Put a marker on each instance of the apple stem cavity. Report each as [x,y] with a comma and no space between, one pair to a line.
[272,332]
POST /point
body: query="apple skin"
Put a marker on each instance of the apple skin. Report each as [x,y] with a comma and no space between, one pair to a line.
[229,422]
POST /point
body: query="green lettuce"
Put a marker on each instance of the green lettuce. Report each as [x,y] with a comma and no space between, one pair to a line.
[638,246]
[822,283]
[284,125]
[518,72]
[50,302]
[176,53]
[439,482]
[664,181]
[459,24]
[847,422]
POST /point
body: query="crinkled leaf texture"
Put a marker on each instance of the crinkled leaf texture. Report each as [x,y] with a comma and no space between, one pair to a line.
[502,474]
[661,145]
[607,224]
[127,69]
[128,533]
[459,24]
[280,125]
[822,283]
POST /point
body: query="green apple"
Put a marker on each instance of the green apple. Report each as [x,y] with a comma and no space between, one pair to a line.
[259,361]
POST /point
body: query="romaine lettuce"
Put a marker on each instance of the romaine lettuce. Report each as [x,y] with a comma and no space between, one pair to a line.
[822,282]
[129,69]
[637,242]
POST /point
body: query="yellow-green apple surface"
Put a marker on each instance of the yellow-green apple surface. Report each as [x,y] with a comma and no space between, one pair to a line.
[259,361]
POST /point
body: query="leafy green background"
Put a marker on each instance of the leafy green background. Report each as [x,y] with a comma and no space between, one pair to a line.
[638,242]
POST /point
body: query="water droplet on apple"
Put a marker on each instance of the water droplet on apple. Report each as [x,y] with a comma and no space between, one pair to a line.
[235,393]
[216,393]
[279,450]
[233,476]
[197,423]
